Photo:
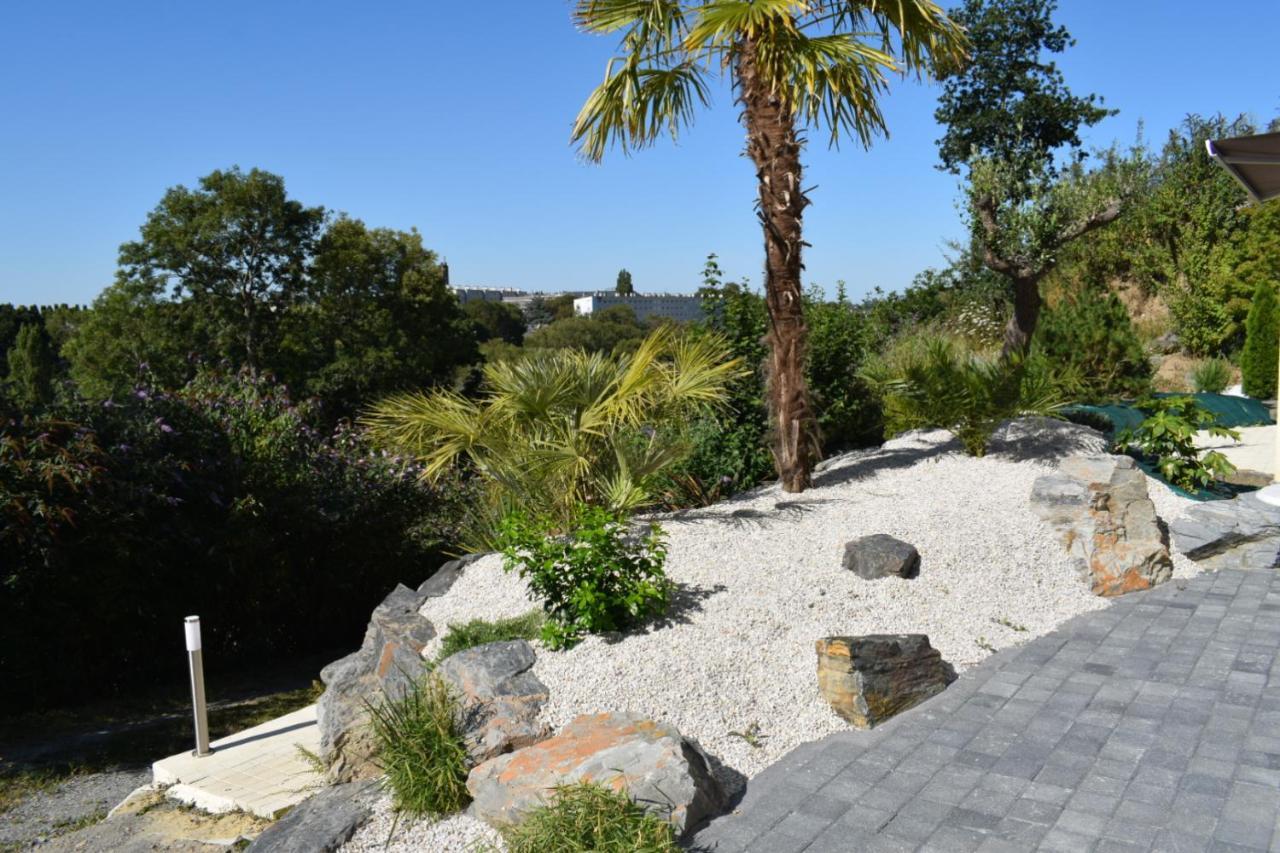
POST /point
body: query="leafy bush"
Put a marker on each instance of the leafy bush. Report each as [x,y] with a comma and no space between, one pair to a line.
[592,576]
[840,340]
[590,818]
[1091,335]
[223,499]
[1212,375]
[421,749]
[477,632]
[562,427]
[966,394]
[1259,359]
[1168,437]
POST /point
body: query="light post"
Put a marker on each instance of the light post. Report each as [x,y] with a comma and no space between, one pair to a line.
[1254,161]
[195,660]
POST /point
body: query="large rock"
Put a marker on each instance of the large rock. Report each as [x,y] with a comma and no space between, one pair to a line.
[444,578]
[652,762]
[881,555]
[868,679]
[1242,531]
[1100,506]
[319,824]
[388,662]
[500,697]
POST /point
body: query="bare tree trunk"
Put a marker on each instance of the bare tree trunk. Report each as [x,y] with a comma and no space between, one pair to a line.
[1026,312]
[774,148]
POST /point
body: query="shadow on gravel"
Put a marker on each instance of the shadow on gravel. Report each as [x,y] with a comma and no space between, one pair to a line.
[881,460]
[749,516]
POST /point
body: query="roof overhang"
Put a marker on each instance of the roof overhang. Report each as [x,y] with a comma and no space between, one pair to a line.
[1254,161]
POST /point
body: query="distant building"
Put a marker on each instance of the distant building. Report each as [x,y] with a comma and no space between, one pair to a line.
[668,306]
[487,294]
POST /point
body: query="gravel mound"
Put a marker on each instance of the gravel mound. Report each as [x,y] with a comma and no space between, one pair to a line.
[383,833]
[760,579]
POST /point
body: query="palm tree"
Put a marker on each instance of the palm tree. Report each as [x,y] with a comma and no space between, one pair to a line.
[794,64]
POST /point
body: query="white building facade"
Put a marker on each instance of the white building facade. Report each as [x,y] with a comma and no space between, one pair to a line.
[680,307]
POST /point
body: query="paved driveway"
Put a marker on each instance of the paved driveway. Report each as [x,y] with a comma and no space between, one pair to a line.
[1151,725]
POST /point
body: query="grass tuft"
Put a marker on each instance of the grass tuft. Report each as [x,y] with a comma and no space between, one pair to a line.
[589,818]
[421,750]
[477,632]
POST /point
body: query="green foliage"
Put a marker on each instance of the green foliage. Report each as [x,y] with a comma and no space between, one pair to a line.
[1168,436]
[624,286]
[478,632]
[840,340]
[1212,375]
[589,573]
[590,818]
[499,321]
[420,748]
[224,498]
[562,427]
[31,368]
[1009,100]
[1258,361]
[944,387]
[614,330]
[1090,335]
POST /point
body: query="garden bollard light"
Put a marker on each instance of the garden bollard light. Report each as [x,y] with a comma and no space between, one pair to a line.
[196,660]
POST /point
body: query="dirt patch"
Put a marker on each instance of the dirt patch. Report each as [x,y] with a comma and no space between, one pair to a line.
[150,822]
[1149,313]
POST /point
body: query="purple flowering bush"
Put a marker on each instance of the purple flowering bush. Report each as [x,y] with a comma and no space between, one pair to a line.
[225,498]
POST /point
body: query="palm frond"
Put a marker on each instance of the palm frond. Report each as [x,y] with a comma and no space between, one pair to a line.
[635,105]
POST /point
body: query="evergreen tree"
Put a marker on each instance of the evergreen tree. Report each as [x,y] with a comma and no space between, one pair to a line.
[31,368]
[624,286]
[1258,361]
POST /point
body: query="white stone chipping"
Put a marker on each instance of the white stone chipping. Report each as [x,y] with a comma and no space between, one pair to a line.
[761,580]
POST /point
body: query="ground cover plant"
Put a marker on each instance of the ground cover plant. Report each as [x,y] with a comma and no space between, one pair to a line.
[592,574]
[420,748]
[1167,437]
[478,632]
[590,818]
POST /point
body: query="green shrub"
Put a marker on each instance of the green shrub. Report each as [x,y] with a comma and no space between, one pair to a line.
[1167,436]
[968,395]
[1212,375]
[420,748]
[592,576]
[840,341]
[589,818]
[1092,336]
[1258,361]
[478,632]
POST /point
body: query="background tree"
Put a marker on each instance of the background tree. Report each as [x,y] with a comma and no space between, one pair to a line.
[31,368]
[1258,362]
[1009,116]
[497,321]
[237,247]
[624,286]
[613,330]
[793,64]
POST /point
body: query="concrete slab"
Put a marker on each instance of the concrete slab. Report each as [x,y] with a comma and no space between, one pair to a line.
[1255,451]
[261,770]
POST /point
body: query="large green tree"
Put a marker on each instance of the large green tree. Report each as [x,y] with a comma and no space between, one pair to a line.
[1010,123]
[237,247]
[31,368]
[623,286]
[794,64]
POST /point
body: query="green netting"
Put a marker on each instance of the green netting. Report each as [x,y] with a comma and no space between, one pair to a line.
[1231,411]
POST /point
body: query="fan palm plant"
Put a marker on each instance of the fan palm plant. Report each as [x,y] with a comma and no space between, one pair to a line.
[562,427]
[794,64]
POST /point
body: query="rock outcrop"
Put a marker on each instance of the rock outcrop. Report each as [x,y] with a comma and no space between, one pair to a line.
[1099,504]
[881,555]
[387,663]
[320,824]
[1243,531]
[500,697]
[652,762]
[868,679]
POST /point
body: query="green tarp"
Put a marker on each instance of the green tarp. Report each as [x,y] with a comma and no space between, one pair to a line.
[1231,411]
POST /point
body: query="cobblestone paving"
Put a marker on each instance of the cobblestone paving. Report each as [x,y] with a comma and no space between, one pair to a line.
[1151,725]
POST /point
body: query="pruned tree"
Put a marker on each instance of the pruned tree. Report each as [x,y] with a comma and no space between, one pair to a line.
[794,64]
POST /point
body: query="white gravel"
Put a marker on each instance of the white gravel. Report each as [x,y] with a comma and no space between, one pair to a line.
[459,833]
[760,580]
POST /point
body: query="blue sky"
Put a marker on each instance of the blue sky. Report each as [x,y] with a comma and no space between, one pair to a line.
[454,118]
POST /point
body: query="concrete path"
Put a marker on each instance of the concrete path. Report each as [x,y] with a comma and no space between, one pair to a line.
[263,770]
[1151,725]
[1255,451]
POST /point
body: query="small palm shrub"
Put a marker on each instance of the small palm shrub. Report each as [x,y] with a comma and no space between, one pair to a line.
[420,748]
[968,395]
[1091,334]
[1212,375]
[478,632]
[590,818]
[1261,332]
[592,575]
[562,427]
[1168,435]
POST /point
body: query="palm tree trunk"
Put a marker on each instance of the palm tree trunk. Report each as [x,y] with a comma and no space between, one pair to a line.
[774,147]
